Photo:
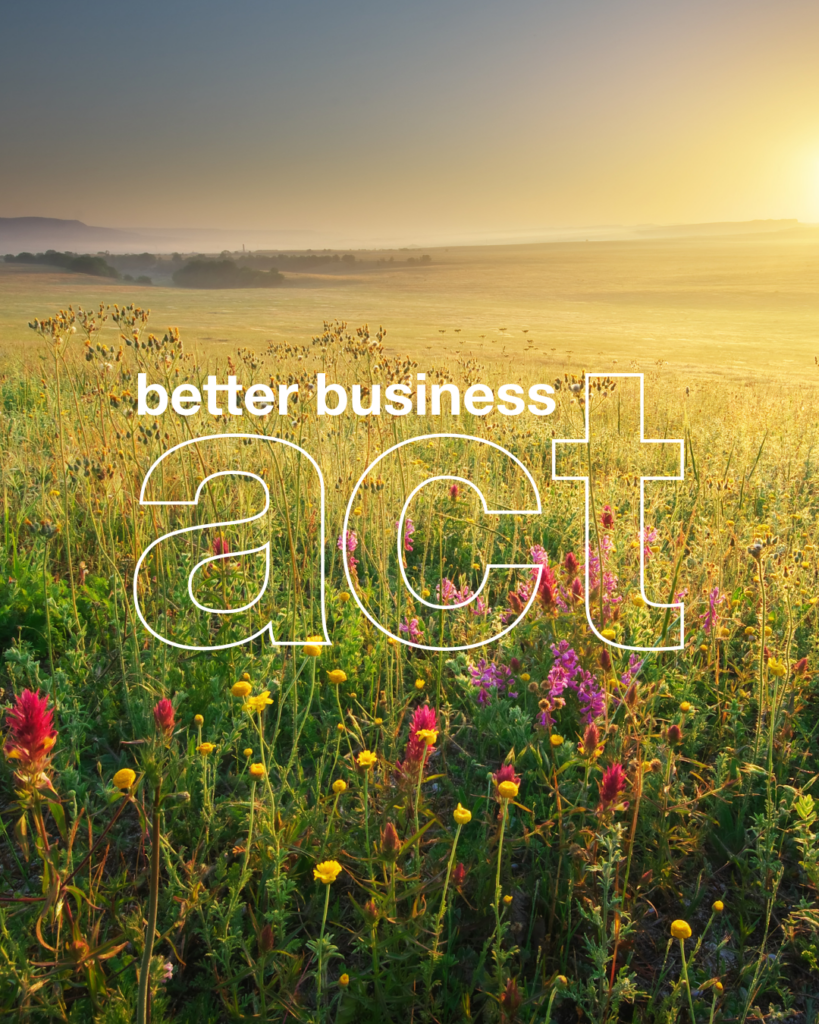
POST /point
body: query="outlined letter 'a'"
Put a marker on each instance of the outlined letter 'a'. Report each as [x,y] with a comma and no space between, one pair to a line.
[241,552]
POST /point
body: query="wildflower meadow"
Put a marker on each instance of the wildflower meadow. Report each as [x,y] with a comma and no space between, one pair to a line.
[417,822]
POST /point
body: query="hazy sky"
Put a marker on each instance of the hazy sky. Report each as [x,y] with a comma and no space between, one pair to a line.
[416,120]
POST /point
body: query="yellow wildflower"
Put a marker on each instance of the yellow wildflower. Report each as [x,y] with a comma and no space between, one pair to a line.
[507,900]
[344,597]
[198,720]
[337,676]
[378,721]
[339,786]
[248,751]
[461,815]
[367,758]
[257,770]
[555,740]
[124,778]
[257,703]
[344,980]
[681,929]
[420,684]
[776,667]
[241,689]
[508,790]
[685,707]
[327,872]
[205,749]
[312,649]
[718,906]
[609,634]
[428,736]
[525,677]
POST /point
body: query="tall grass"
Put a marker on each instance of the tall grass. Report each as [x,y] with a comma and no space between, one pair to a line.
[653,789]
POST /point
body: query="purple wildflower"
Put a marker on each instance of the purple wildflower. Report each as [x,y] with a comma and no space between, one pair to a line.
[351,545]
[447,592]
[487,675]
[715,599]
[414,628]
[409,530]
[568,673]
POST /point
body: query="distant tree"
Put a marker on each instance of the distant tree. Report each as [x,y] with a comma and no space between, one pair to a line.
[204,273]
[96,266]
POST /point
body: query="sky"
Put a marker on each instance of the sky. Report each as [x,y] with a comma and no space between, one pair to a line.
[409,122]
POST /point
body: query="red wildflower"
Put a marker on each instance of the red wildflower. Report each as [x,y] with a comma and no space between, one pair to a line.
[221,546]
[591,739]
[390,843]
[515,603]
[801,667]
[423,718]
[613,783]
[547,586]
[577,590]
[458,875]
[607,517]
[511,1000]
[454,492]
[506,773]
[674,734]
[31,733]
[164,717]
[570,564]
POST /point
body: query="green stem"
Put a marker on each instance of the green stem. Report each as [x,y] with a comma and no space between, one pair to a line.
[153,905]
[442,909]
[367,821]
[249,826]
[321,949]
[687,982]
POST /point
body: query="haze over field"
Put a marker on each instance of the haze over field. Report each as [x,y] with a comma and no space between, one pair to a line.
[743,308]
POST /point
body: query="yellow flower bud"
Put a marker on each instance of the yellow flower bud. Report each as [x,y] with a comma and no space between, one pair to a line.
[312,649]
[124,778]
[339,786]
[461,815]
[681,929]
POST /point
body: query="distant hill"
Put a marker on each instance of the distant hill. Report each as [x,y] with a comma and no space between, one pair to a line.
[36,234]
[729,227]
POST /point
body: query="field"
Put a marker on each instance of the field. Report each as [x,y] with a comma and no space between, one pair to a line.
[547,828]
